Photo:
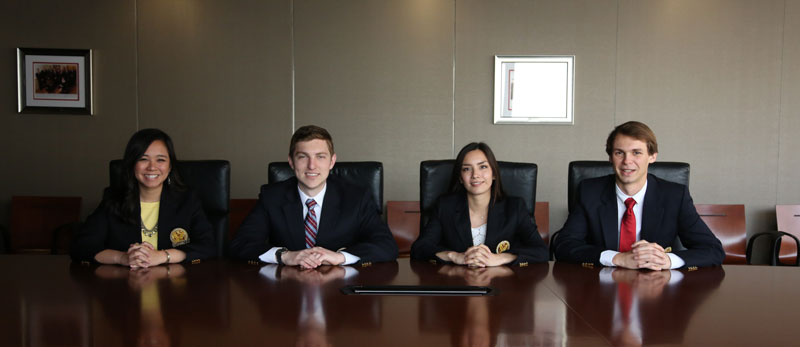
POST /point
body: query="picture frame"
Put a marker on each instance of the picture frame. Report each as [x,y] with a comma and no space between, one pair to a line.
[536,89]
[54,81]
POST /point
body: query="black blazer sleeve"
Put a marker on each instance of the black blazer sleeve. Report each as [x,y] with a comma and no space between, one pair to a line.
[529,246]
[250,240]
[431,239]
[580,240]
[188,212]
[91,239]
[702,247]
[374,241]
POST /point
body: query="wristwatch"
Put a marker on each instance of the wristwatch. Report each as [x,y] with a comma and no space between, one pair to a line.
[279,253]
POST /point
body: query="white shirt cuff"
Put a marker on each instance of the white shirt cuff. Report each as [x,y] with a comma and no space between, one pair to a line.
[676,261]
[607,257]
[269,257]
[348,258]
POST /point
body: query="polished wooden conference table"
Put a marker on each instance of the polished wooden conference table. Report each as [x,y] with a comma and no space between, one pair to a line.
[49,301]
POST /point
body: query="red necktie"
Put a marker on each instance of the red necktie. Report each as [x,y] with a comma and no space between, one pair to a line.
[627,230]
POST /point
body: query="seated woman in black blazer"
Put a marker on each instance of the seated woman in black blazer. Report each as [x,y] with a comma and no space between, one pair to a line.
[477,224]
[149,218]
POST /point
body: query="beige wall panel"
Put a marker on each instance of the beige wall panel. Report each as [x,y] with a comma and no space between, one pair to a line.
[789,154]
[585,29]
[378,76]
[705,75]
[67,155]
[216,76]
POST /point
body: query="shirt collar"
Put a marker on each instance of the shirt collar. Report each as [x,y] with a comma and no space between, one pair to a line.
[320,196]
[639,197]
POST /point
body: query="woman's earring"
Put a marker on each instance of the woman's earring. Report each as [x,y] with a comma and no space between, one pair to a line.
[169,180]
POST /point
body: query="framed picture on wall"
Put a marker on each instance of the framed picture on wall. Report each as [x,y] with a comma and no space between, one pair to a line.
[54,81]
[534,89]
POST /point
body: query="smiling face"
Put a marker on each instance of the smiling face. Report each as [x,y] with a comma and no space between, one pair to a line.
[153,167]
[630,159]
[312,161]
[476,173]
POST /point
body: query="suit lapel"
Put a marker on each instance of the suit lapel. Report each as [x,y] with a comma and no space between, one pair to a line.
[330,213]
[135,234]
[652,211]
[293,214]
[494,227]
[462,222]
[609,215]
[167,209]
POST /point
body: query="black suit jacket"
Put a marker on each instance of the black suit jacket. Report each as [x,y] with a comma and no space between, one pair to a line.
[349,220]
[449,230]
[668,212]
[103,230]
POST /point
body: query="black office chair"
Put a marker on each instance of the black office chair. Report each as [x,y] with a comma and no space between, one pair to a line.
[580,170]
[211,180]
[788,218]
[363,173]
[774,241]
[519,179]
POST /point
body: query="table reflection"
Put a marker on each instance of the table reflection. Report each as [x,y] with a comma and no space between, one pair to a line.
[481,320]
[152,306]
[636,307]
[309,302]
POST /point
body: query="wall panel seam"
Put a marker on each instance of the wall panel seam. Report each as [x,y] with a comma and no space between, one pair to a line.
[291,35]
[616,69]
[136,59]
[780,105]
[453,91]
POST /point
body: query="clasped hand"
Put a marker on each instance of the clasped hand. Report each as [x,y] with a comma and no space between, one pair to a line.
[478,256]
[312,258]
[143,255]
[644,255]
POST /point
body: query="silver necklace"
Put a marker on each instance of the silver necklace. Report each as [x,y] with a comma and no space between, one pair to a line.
[149,232]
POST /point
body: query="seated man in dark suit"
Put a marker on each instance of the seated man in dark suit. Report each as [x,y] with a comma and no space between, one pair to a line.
[312,219]
[630,219]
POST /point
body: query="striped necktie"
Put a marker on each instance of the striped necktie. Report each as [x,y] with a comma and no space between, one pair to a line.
[311,224]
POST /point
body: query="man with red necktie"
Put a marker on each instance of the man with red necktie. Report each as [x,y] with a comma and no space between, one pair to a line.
[313,219]
[630,219]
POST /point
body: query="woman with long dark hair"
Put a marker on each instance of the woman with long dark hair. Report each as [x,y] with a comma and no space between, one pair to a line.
[477,224]
[147,217]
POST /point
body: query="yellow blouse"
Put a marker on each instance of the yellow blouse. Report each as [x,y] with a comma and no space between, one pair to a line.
[150,221]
